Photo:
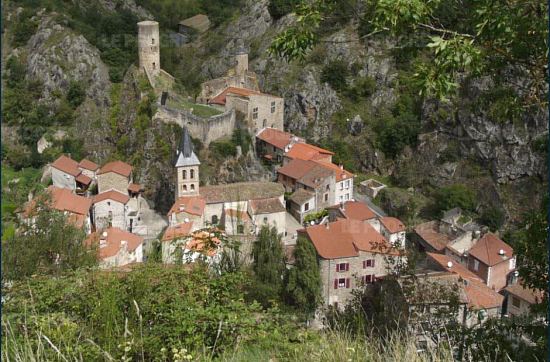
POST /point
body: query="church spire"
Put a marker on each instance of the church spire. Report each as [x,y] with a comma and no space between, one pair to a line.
[185,154]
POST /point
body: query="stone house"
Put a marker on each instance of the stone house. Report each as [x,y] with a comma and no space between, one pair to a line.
[88,168]
[116,175]
[343,188]
[492,260]
[480,297]
[354,210]
[259,110]
[187,209]
[301,203]
[350,254]
[75,207]
[518,299]
[271,143]
[238,77]
[269,212]
[393,230]
[67,174]
[311,176]
[116,247]
[112,208]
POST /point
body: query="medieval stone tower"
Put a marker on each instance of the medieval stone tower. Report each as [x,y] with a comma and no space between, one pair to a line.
[148,47]
[187,168]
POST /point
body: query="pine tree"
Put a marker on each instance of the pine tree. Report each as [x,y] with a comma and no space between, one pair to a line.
[269,265]
[303,282]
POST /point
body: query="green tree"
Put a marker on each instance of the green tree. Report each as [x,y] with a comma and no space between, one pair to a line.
[49,245]
[335,73]
[268,265]
[457,195]
[76,94]
[303,281]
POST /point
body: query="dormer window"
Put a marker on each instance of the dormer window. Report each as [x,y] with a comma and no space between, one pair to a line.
[153,41]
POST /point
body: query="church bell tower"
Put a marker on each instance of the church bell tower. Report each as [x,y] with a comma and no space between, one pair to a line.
[187,168]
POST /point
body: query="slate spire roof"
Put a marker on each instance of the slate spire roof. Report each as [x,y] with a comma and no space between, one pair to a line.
[185,154]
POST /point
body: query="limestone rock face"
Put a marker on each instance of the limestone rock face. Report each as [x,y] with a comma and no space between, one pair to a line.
[57,56]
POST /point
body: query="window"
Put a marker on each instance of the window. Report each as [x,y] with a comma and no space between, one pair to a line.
[367,279]
[154,65]
[341,185]
[516,302]
[326,197]
[328,187]
[192,174]
[342,267]
[153,41]
[264,123]
[347,197]
[347,184]
[240,229]
[476,265]
[255,113]
[192,187]
[265,220]
[369,263]
[341,198]
[341,283]
[108,203]
[306,206]
[184,174]
[214,219]
[272,107]
[184,187]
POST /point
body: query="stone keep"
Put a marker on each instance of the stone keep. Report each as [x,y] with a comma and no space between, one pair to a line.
[187,168]
[148,47]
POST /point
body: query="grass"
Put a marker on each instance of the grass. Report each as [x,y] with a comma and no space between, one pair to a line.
[200,110]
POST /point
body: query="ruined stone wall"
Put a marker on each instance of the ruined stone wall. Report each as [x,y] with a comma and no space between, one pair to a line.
[204,129]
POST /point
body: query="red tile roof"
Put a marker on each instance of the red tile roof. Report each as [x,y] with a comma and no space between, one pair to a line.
[486,250]
[119,167]
[220,98]
[356,210]
[83,179]
[193,205]
[177,231]
[344,238]
[113,237]
[88,165]
[457,268]
[340,173]
[304,171]
[67,165]
[275,137]
[392,224]
[429,232]
[531,296]
[63,200]
[305,151]
[135,188]
[112,195]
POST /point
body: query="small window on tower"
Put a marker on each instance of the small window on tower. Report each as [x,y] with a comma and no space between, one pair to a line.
[192,187]
[192,172]
[154,65]
[184,187]
[153,41]
[184,174]
[272,107]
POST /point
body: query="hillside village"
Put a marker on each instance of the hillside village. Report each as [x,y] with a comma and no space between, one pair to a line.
[309,196]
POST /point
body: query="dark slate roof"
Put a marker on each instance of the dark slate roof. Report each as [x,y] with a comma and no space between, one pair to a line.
[185,154]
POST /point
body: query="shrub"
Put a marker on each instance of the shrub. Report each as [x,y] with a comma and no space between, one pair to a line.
[363,87]
[279,8]
[76,94]
[335,73]
[493,218]
[223,149]
[24,28]
[242,138]
[457,195]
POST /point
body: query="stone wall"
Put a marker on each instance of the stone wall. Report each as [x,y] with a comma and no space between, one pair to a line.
[204,129]
[109,211]
[63,180]
[112,181]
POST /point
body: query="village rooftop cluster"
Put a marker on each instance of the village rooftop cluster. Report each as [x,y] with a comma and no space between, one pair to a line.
[309,196]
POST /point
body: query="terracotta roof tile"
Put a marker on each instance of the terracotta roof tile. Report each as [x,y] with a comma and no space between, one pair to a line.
[343,238]
[88,165]
[301,196]
[111,195]
[355,210]
[241,191]
[220,98]
[457,268]
[67,165]
[480,296]
[309,173]
[177,231]
[83,179]
[193,205]
[339,172]
[119,167]
[487,250]
[392,224]
[531,296]
[266,206]
[275,137]
[305,151]
[113,237]
[429,232]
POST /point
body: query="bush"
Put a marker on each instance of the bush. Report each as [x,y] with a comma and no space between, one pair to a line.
[363,87]
[24,28]
[457,195]
[279,8]
[242,138]
[223,149]
[335,73]
[76,94]
[493,218]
